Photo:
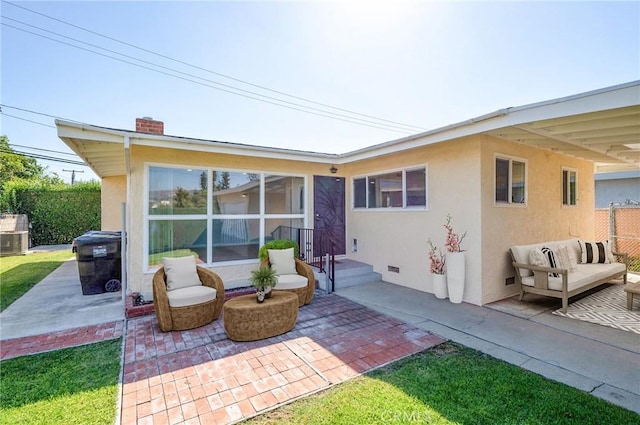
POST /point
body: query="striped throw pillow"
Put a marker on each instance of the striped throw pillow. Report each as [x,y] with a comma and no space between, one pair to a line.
[548,252]
[595,252]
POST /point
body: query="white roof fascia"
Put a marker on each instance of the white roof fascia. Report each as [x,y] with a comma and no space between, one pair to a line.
[229,148]
[620,96]
[68,129]
[72,130]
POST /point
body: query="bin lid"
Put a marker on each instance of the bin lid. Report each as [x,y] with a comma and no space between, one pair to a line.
[96,237]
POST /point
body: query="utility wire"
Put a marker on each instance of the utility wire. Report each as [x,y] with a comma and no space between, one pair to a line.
[25,119]
[42,157]
[38,113]
[192,75]
[42,149]
[208,70]
[208,85]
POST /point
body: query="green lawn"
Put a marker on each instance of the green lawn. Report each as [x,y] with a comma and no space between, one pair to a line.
[70,386]
[20,273]
[450,384]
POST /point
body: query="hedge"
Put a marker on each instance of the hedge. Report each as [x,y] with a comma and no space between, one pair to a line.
[58,213]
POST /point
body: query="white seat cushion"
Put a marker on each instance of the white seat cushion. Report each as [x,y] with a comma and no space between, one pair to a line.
[181,272]
[291,281]
[584,274]
[191,295]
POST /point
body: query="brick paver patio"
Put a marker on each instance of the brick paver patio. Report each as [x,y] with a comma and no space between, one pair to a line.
[199,376]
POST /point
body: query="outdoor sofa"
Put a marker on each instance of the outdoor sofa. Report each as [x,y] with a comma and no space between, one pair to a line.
[567,268]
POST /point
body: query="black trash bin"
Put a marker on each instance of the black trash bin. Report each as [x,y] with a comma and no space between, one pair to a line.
[99,261]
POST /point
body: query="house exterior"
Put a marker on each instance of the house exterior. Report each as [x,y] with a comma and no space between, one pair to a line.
[618,188]
[516,176]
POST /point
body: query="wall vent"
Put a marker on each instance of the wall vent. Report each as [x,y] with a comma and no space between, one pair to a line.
[393,269]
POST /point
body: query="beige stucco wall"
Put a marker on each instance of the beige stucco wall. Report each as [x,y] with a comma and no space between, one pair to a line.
[399,238]
[544,218]
[139,278]
[113,194]
[460,183]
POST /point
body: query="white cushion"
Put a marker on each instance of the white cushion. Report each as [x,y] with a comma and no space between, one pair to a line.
[521,252]
[565,261]
[584,274]
[191,295]
[291,281]
[596,252]
[537,258]
[282,261]
[181,272]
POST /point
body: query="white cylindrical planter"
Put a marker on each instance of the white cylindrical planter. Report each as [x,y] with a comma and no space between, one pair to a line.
[455,276]
[440,286]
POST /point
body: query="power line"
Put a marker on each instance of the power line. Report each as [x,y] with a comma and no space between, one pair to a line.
[3,105]
[403,128]
[42,149]
[210,71]
[41,157]
[24,119]
[210,86]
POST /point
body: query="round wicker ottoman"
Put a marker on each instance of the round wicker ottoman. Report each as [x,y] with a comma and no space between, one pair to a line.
[247,320]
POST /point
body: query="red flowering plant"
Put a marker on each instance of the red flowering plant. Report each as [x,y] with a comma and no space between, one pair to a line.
[436,259]
[454,240]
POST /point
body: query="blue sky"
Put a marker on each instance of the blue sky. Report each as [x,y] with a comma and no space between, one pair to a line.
[427,64]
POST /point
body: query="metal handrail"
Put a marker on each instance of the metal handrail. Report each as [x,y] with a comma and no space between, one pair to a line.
[314,244]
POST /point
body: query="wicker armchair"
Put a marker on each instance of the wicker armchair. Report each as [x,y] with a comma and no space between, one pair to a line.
[188,317]
[305,294]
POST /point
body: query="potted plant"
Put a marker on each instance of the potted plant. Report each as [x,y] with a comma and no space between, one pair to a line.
[437,262]
[264,278]
[455,263]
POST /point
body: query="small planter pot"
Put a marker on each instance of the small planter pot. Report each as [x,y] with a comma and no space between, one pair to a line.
[260,295]
[456,275]
[440,285]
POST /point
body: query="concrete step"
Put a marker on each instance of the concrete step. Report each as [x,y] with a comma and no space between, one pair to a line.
[349,273]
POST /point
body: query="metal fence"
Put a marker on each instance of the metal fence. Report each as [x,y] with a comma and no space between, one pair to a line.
[620,223]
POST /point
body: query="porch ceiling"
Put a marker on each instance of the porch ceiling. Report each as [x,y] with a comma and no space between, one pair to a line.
[106,159]
[610,138]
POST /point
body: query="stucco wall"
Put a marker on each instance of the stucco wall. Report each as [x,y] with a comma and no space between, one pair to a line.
[544,218]
[113,194]
[399,238]
[140,279]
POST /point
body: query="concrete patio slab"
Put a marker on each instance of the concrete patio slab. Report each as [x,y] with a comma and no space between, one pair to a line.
[569,351]
[57,303]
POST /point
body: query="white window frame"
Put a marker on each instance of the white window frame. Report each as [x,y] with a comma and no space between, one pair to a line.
[404,206]
[568,192]
[210,216]
[509,202]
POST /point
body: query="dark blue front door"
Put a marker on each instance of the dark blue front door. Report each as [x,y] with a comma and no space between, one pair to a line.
[328,209]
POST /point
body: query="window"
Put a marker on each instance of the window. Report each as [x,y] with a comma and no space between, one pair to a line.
[397,189]
[569,186]
[218,215]
[510,182]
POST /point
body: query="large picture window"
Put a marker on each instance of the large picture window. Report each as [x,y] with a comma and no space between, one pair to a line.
[218,215]
[398,189]
[510,181]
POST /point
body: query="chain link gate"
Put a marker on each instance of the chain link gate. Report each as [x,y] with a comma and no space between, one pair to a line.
[620,223]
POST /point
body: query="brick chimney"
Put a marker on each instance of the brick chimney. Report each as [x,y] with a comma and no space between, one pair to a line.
[148,125]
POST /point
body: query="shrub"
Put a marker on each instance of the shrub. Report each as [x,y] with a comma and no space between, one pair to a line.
[58,213]
[279,244]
